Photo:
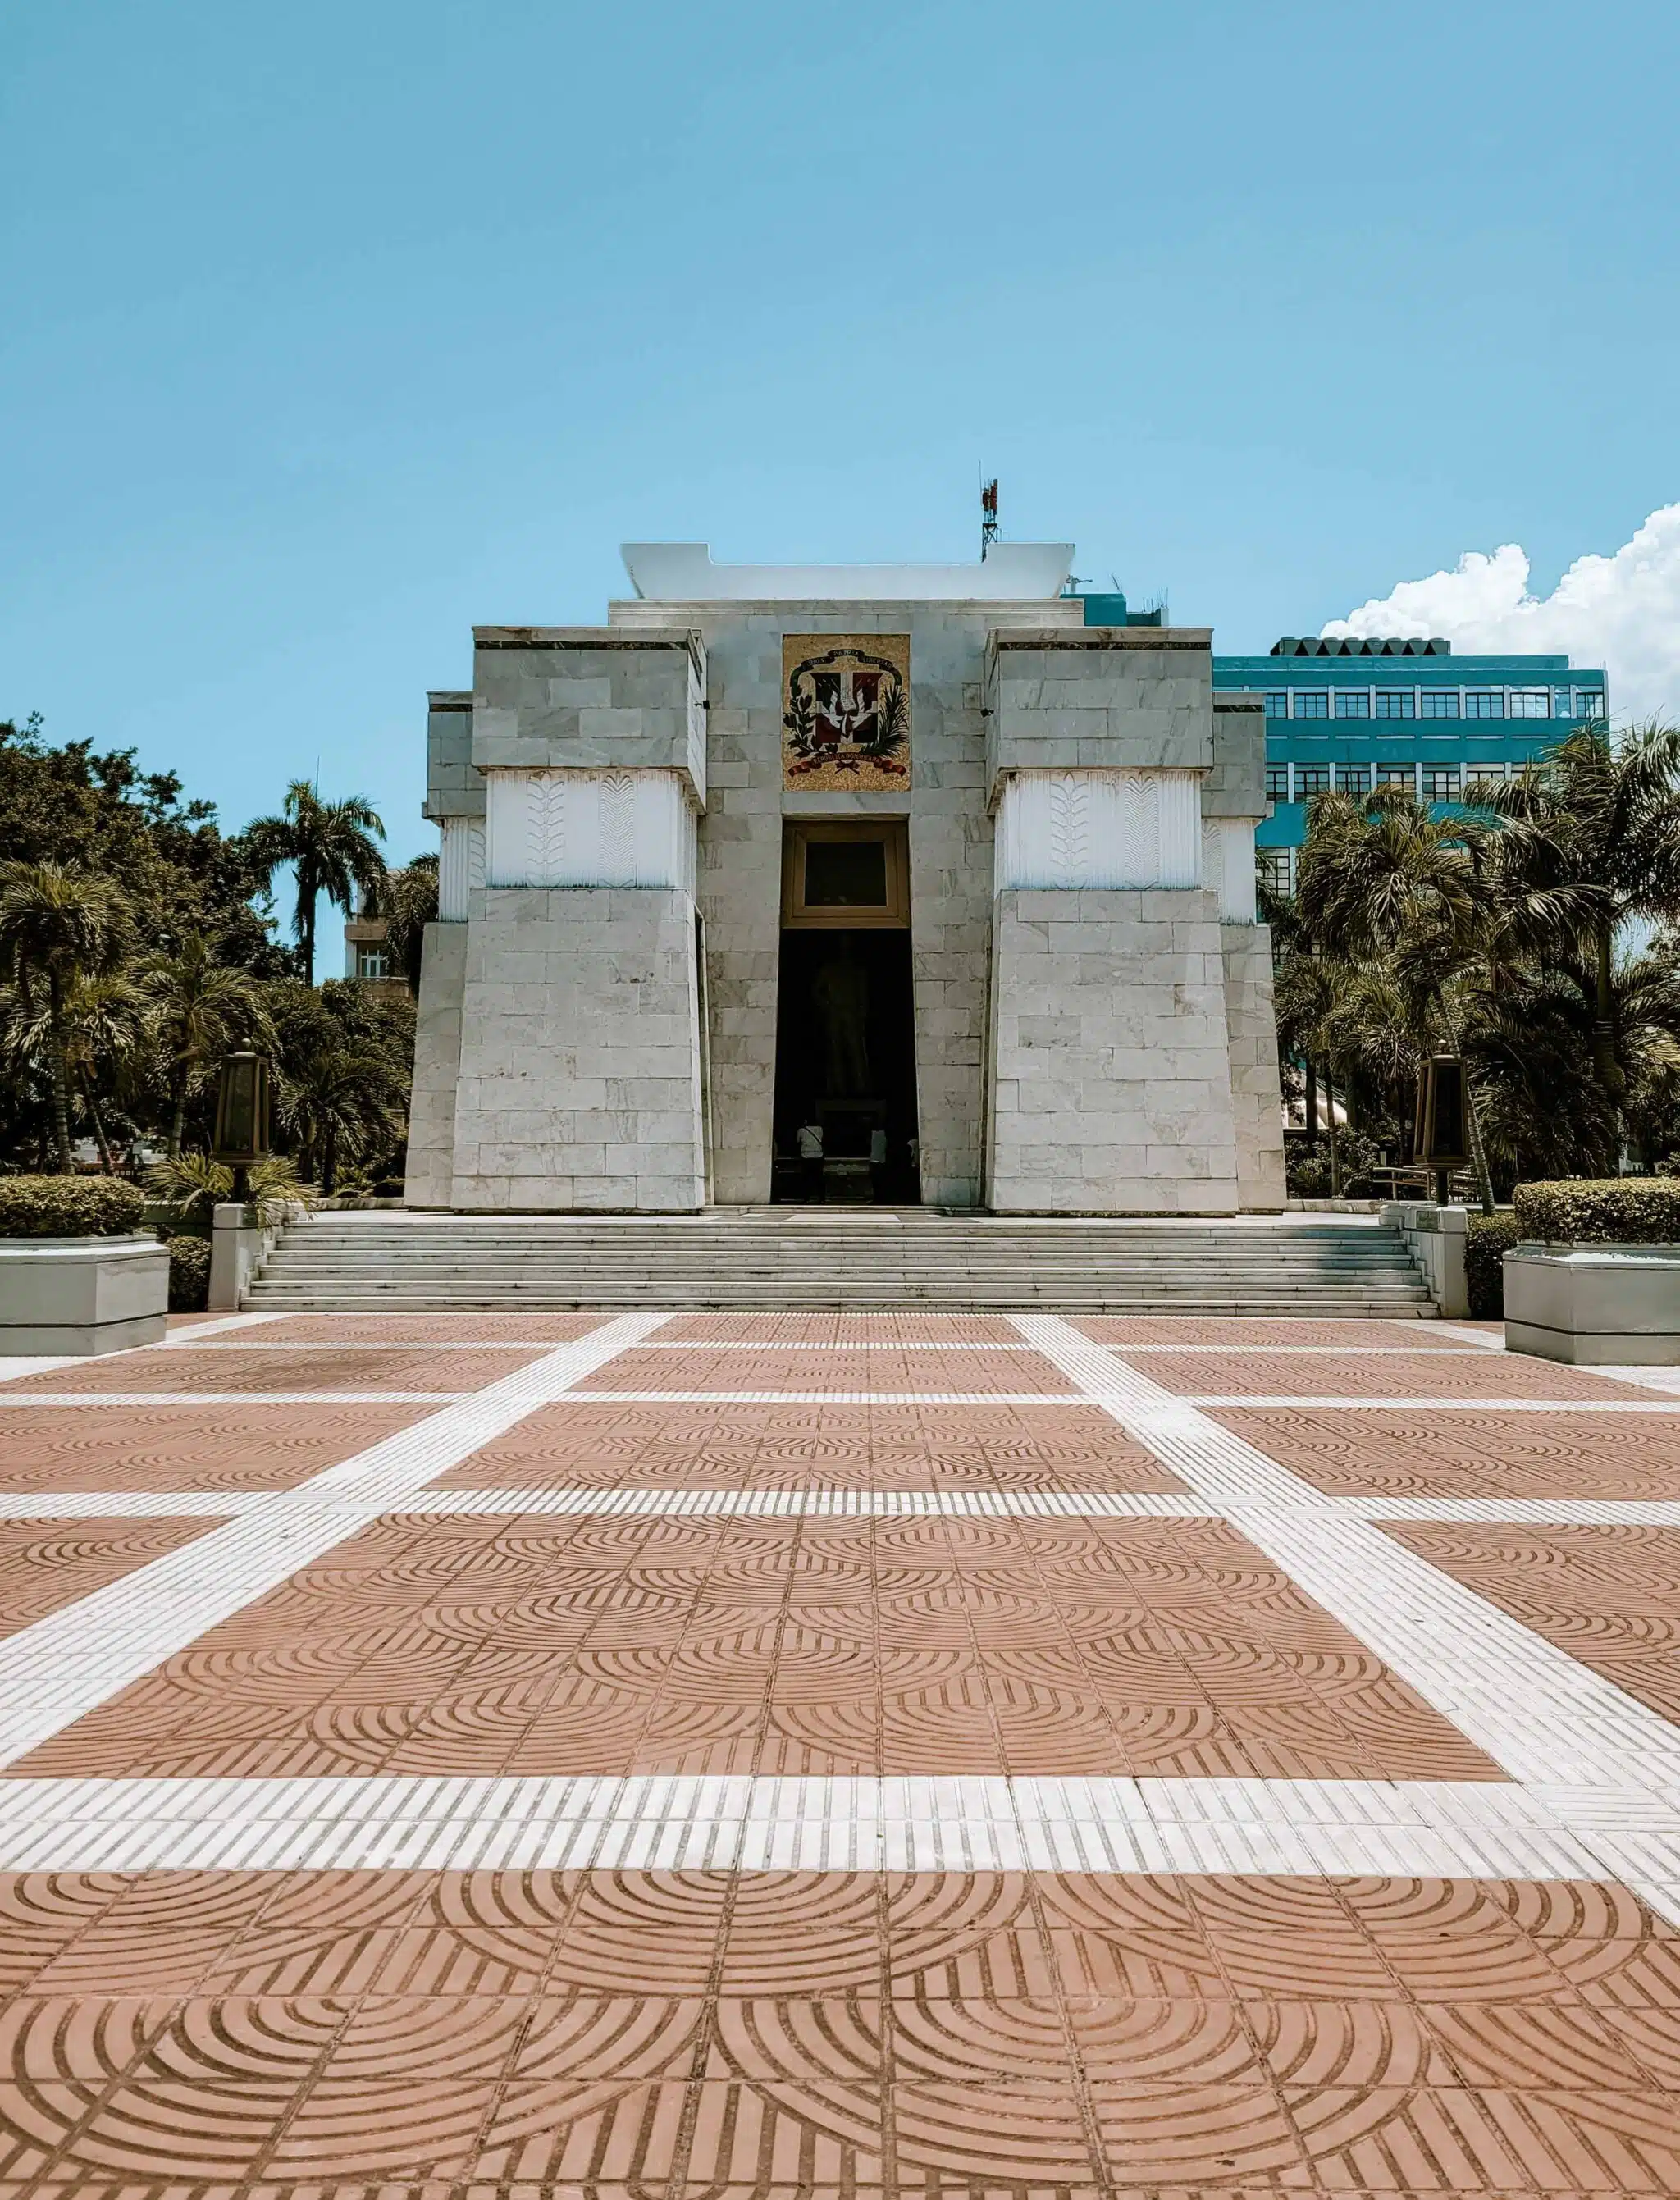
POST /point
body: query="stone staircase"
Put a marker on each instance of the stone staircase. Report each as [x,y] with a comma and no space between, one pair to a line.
[789,1258]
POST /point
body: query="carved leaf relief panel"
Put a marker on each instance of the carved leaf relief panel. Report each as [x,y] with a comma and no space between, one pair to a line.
[1100,829]
[588,828]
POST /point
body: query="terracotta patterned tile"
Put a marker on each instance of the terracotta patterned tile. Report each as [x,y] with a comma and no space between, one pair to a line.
[1357,2042]
[1157,2132]
[1609,1596]
[555,1644]
[592,1444]
[168,1447]
[1492,2139]
[470,1327]
[831,1329]
[224,1370]
[46,1564]
[1525,2045]
[784,2024]
[764,2037]
[1165,1330]
[1012,2130]
[501,2034]
[1406,1451]
[1426,1374]
[874,1367]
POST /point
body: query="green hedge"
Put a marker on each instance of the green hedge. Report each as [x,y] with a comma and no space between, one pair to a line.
[1627,1211]
[189,1274]
[69,1207]
[1488,1239]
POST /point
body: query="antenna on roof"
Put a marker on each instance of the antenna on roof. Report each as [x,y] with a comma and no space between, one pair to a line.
[988,516]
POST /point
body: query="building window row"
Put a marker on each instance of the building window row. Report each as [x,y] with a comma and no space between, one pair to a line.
[1276,868]
[1425,783]
[1303,703]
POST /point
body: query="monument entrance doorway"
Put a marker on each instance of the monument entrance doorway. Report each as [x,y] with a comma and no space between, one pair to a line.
[845,1120]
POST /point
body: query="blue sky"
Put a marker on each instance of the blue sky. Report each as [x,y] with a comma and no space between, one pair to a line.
[331,330]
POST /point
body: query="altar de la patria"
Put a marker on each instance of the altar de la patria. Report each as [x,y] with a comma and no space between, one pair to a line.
[910,860]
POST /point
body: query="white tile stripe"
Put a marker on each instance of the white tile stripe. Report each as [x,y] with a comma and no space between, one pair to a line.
[60,1400]
[966,1824]
[16,1366]
[830,1503]
[547,1343]
[195,1332]
[1458,1405]
[1537,1712]
[62,1667]
[838,1500]
[1488,1405]
[191,1338]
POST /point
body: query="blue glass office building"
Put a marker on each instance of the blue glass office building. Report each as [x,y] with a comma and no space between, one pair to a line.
[1355,715]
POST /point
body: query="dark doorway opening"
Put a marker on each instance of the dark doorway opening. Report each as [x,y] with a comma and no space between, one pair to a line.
[845,1127]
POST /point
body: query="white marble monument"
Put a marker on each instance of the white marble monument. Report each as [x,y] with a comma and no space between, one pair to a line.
[1035,862]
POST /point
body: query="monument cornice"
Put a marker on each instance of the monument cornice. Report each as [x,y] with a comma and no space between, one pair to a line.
[1102,637]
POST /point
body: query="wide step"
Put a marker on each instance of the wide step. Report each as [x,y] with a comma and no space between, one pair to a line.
[770,1261]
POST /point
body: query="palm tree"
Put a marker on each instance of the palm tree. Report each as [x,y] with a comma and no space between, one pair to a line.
[1383,878]
[329,846]
[408,902]
[198,1010]
[58,924]
[106,1024]
[1589,840]
[337,1102]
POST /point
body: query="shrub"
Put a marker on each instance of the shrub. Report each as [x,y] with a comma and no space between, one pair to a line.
[192,1185]
[1308,1172]
[69,1207]
[1624,1210]
[189,1274]
[1488,1239]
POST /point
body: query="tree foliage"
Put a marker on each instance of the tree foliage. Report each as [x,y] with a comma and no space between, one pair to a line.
[329,848]
[1507,931]
[136,949]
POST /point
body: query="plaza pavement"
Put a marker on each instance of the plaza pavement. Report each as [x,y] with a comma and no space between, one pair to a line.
[738,1754]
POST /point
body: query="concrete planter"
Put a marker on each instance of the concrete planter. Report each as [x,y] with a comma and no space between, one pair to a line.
[1435,1239]
[239,1244]
[1614,1305]
[69,1295]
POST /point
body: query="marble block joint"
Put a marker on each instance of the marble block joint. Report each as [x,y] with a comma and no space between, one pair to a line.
[1091,992]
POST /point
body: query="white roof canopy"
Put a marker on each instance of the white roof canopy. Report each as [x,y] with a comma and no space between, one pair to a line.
[683,572]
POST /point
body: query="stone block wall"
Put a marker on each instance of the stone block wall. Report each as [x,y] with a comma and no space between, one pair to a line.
[580,1078]
[950,851]
[429,1180]
[1112,1092]
[1089,1037]
[1109,698]
[583,697]
[1236,785]
[1252,1024]
[454,788]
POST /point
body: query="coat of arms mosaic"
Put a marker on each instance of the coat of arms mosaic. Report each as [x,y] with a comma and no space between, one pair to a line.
[845,711]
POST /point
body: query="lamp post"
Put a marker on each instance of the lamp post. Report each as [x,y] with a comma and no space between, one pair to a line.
[241,1117]
[1442,1142]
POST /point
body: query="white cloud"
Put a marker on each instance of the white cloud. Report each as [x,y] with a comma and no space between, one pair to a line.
[1621,612]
